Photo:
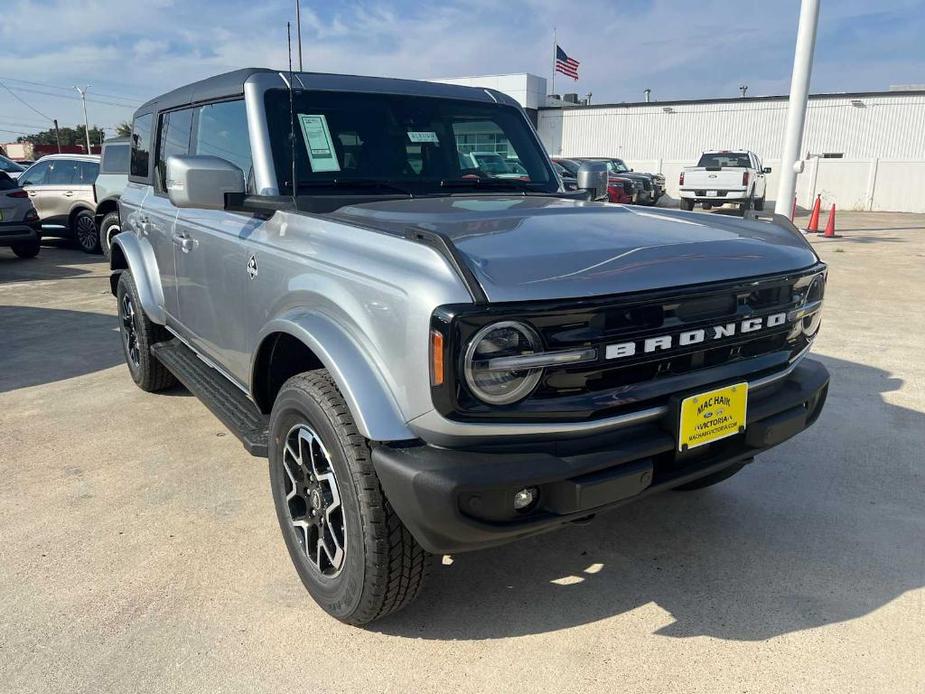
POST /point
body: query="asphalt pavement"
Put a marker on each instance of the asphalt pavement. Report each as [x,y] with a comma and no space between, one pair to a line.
[140,550]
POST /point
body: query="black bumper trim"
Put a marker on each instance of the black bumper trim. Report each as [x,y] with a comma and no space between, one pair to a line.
[457,500]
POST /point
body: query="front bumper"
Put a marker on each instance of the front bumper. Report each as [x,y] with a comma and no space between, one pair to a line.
[14,232]
[457,500]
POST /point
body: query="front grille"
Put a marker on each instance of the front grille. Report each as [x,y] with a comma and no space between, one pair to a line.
[641,378]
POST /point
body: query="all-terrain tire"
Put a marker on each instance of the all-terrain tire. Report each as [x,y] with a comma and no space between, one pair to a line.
[83,228]
[109,227]
[710,480]
[26,249]
[138,335]
[382,566]
[687,204]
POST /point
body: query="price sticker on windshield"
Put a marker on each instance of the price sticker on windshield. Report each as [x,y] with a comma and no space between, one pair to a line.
[318,143]
[423,136]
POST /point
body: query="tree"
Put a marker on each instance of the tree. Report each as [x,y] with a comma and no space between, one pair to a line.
[69,136]
[124,129]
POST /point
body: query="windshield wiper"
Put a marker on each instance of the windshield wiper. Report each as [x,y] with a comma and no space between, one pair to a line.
[356,183]
[485,183]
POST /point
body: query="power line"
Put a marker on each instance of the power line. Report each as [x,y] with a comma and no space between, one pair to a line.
[71,98]
[27,104]
[132,99]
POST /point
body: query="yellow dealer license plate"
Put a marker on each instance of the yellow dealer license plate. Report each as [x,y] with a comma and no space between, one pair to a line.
[711,416]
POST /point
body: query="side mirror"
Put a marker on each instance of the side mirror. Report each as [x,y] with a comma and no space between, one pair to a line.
[201,181]
[766,169]
[631,170]
[592,177]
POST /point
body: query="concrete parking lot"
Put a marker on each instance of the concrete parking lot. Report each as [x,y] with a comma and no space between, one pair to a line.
[140,550]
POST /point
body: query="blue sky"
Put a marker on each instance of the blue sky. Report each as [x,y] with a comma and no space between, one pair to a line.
[129,50]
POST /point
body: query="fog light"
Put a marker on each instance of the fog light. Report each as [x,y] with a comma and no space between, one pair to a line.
[525,498]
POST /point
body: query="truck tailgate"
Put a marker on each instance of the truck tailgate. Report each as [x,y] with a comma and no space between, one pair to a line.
[726,178]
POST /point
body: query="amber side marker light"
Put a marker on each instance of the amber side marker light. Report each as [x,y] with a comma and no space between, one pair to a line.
[436,358]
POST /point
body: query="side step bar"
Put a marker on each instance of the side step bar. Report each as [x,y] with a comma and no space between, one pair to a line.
[216,392]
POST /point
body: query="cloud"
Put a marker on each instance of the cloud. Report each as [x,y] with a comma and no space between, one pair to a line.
[680,50]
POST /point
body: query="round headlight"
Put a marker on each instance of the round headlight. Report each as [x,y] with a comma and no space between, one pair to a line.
[814,294]
[489,383]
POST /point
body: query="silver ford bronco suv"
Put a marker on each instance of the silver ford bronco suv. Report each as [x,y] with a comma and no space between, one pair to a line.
[436,359]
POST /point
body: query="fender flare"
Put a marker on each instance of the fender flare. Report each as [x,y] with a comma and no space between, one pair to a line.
[128,253]
[374,408]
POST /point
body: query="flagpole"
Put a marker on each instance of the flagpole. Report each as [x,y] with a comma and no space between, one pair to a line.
[555,46]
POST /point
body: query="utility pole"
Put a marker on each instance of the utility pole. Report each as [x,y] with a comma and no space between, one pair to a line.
[57,135]
[83,99]
[790,164]
[743,88]
[298,29]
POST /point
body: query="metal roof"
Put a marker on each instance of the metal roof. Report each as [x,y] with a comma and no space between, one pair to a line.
[231,84]
[737,100]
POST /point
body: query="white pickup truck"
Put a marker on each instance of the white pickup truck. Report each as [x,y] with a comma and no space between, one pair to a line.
[723,176]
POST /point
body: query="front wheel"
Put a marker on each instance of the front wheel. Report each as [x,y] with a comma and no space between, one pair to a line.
[27,249]
[84,229]
[352,552]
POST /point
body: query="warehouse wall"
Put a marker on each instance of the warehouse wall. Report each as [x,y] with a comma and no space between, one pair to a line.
[882,141]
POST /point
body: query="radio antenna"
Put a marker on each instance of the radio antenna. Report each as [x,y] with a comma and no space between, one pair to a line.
[291,117]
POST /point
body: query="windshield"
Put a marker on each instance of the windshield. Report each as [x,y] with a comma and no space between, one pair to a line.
[401,143]
[722,159]
[617,166]
[10,165]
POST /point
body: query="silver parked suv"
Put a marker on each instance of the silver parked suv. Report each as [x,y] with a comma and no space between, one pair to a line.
[435,358]
[61,188]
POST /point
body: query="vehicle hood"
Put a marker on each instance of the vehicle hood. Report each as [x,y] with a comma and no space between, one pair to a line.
[530,248]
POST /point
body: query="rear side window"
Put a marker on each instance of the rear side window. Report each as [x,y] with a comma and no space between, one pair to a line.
[222,132]
[141,145]
[115,159]
[173,140]
[62,172]
[87,171]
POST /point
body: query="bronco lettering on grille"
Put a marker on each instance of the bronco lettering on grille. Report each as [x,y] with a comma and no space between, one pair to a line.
[693,337]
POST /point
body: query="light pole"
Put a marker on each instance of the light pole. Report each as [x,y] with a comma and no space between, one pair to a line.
[298,30]
[83,99]
[790,163]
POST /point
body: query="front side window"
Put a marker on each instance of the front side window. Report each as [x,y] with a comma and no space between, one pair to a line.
[221,131]
[141,145]
[36,175]
[354,141]
[115,159]
[173,140]
[617,166]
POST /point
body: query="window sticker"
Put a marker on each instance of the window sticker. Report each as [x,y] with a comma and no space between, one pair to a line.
[423,136]
[318,143]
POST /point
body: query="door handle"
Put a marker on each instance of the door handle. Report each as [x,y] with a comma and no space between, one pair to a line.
[185,243]
[31,193]
[69,194]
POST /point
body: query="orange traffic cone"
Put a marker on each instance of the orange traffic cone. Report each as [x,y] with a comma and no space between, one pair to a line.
[830,224]
[813,226]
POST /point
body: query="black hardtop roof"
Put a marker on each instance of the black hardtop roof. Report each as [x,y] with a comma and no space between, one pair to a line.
[231,84]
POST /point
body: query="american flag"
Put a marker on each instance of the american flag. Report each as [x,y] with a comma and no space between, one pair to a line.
[567,66]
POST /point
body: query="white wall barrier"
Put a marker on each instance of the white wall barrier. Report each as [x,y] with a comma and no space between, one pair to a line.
[886,185]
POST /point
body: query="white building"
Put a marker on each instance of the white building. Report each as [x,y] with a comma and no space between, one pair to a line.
[864,151]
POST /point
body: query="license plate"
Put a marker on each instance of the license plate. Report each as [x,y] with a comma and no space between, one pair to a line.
[712,193]
[711,416]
